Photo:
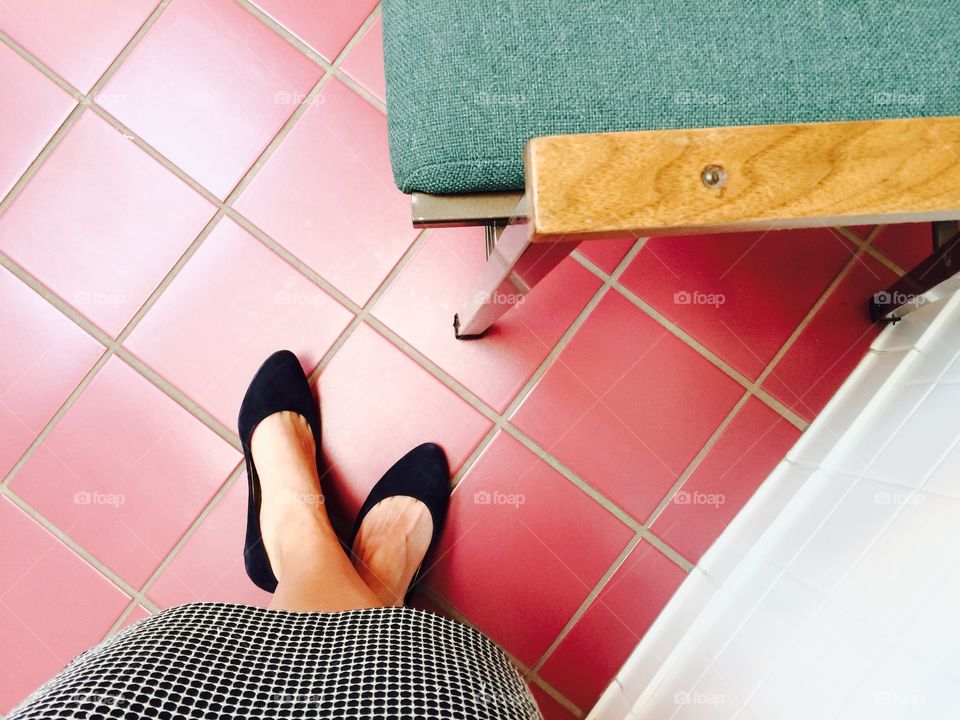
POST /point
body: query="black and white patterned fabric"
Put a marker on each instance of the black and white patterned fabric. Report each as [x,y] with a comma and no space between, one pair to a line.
[221,662]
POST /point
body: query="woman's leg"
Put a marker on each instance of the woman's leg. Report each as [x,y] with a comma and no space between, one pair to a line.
[392,541]
[313,572]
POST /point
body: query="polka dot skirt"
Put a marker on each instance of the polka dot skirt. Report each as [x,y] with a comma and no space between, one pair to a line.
[220,662]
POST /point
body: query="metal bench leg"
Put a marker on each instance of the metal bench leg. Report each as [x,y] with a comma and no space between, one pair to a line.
[935,277]
[514,265]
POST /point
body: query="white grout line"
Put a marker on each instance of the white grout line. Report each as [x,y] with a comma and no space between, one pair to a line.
[141,595]
[34,166]
[867,244]
[63,537]
[225,433]
[331,67]
[128,48]
[605,285]
[61,411]
[698,458]
[588,601]
[60,82]
[280,30]
[362,92]
[528,673]
[77,95]
[702,349]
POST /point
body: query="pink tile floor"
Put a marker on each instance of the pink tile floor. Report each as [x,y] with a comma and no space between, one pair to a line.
[189,186]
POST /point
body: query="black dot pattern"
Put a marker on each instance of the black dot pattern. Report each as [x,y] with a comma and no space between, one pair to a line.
[216,661]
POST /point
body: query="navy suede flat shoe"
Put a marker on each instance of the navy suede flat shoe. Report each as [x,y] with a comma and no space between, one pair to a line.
[278,385]
[422,474]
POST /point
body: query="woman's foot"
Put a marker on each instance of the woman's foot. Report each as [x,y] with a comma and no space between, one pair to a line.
[390,546]
[291,504]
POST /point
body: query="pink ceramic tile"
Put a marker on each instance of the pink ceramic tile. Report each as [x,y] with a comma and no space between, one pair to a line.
[550,709]
[751,446]
[233,304]
[125,472]
[830,347]
[906,244]
[102,223]
[209,86]
[365,61]
[421,302]
[741,295]
[327,194]
[627,405]
[593,652]
[522,549]
[209,566]
[376,405]
[53,605]
[44,358]
[606,254]
[36,109]
[79,39]
[326,26]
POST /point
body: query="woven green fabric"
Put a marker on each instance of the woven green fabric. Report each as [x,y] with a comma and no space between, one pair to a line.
[470,81]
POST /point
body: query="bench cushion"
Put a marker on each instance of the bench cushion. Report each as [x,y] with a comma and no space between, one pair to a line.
[470,81]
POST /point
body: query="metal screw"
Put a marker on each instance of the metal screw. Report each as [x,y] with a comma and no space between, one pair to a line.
[714,176]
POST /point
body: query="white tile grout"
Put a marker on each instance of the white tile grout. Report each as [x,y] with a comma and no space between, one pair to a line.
[527,672]
[606,282]
[129,47]
[708,446]
[290,37]
[588,601]
[331,67]
[65,538]
[715,359]
[141,595]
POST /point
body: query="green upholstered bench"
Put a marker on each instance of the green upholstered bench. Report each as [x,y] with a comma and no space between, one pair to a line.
[471,82]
